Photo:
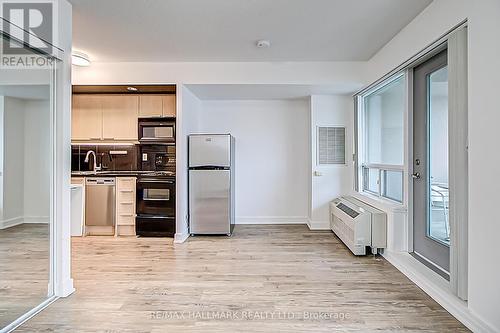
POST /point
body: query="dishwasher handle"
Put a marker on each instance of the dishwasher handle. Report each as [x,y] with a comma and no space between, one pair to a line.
[100,181]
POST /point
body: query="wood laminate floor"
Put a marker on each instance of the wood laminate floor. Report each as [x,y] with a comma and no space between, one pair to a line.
[24,269]
[263,279]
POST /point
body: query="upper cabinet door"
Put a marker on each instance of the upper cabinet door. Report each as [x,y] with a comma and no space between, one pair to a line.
[169,106]
[86,121]
[150,106]
[119,117]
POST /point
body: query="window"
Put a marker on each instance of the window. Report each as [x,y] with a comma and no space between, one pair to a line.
[381,139]
[331,145]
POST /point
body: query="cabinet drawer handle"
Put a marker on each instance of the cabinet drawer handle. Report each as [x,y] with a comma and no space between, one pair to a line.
[126,203]
[126,191]
[95,138]
[127,215]
[108,138]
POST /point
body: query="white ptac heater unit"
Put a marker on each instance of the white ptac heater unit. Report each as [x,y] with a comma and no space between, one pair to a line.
[358,225]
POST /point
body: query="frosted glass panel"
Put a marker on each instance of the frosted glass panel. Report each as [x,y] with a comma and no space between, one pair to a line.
[383,123]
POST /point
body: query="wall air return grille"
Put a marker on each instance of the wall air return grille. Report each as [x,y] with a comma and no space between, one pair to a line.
[331,145]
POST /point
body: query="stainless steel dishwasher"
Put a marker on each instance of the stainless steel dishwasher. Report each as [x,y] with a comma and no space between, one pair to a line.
[100,206]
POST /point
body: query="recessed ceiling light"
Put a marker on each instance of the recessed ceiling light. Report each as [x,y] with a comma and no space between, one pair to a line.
[80,59]
[132,89]
[263,43]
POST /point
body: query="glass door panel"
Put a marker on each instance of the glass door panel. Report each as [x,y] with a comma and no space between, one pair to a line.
[437,223]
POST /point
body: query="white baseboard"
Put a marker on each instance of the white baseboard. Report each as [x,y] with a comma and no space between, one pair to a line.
[36,219]
[22,219]
[318,225]
[437,288]
[180,238]
[11,222]
[271,220]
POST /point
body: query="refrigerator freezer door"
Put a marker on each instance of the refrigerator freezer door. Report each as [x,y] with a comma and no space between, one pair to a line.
[209,201]
[209,150]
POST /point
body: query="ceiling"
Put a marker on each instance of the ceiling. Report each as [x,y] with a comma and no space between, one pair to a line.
[227,30]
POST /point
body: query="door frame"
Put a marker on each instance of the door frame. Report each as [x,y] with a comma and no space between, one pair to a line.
[409,136]
[409,157]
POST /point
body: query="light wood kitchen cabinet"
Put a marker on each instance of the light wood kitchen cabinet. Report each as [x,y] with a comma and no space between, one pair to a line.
[150,105]
[86,116]
[114,117]
[125,206]
[119,117]
[104,117]
[157,106]
[169,106]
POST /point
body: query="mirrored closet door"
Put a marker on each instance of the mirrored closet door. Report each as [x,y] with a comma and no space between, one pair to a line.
[26,180]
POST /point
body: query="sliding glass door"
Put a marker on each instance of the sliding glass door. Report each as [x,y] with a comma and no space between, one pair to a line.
[26,180]
[431,199]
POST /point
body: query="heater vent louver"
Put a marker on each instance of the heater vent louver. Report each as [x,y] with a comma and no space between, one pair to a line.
[358,225]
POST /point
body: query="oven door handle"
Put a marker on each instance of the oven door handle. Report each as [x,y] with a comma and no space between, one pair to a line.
[155,216]
[142,181]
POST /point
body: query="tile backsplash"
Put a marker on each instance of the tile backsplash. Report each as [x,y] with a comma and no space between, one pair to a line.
[111,157]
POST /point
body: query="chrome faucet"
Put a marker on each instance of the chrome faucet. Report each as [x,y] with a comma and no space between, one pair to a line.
[96,167]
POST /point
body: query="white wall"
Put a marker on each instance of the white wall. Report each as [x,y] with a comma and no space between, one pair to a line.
[188,117]
[13,155]
[484,226]
[2,102]
[484,63]
[271,146]
[344,74]
[37,163]
[25,168]
[335,180]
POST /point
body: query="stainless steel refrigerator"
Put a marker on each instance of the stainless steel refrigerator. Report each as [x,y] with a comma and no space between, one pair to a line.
[211,184]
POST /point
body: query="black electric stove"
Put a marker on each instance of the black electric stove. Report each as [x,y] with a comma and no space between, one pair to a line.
[156,192]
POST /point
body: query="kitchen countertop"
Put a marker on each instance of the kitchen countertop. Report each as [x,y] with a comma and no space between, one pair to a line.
[110,173]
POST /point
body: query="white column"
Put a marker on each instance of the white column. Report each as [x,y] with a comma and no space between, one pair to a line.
[63,282]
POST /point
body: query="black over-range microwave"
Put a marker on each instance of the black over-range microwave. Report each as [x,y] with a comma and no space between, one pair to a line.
[156,130]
